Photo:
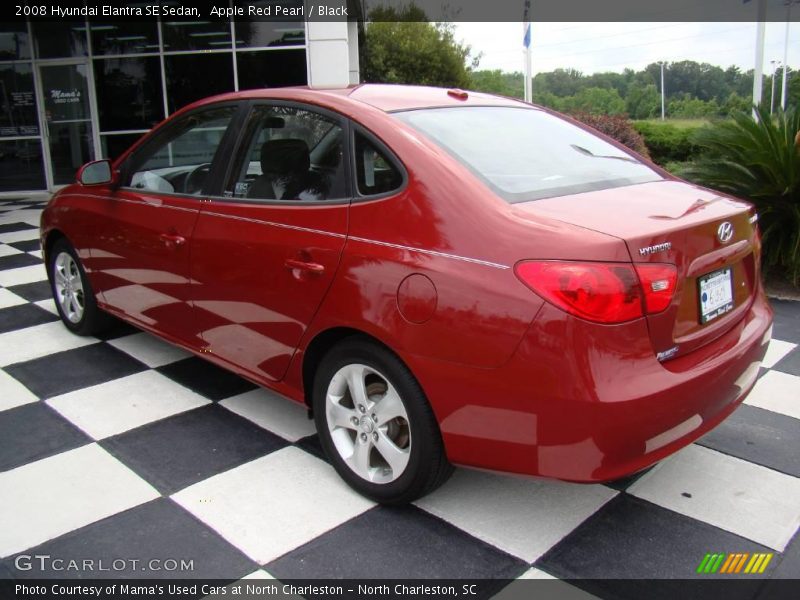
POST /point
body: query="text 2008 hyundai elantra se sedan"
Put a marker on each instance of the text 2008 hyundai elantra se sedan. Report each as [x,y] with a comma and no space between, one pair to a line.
[443,277]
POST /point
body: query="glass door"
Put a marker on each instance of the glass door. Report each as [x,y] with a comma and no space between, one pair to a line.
[67,117]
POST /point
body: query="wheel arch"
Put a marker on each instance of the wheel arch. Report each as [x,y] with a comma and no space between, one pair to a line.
[52,237]
[321,344]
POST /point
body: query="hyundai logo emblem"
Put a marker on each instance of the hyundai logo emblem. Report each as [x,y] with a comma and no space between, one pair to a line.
[725,232]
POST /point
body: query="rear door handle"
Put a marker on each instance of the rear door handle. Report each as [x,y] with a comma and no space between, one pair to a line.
[171,239]
[311,267]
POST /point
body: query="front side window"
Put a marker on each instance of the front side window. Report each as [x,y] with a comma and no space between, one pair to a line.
[528,154]
[179,161]
[289,154]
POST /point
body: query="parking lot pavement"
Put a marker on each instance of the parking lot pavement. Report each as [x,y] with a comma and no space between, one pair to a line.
[128,448]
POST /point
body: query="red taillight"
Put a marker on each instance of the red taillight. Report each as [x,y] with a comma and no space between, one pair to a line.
[658,284]
[600,292]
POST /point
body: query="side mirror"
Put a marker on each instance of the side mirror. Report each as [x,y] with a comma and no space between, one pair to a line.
[97,172]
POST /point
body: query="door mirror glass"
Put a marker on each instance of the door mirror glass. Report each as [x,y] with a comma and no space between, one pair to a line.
[95,173]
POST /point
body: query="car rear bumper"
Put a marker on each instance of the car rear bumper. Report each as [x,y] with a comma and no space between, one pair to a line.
[589,403]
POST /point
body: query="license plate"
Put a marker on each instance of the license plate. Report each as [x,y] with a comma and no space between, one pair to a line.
[716,294]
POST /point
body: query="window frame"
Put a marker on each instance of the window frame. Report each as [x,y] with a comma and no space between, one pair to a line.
[246,131]
[390,156]
[157,139]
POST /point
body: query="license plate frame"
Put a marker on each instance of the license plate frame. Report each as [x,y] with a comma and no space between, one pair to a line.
[715,294]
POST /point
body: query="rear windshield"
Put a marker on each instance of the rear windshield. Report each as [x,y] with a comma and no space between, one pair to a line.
[527,154]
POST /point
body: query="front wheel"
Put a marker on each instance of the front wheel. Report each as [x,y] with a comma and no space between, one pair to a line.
[72,293]
[376,425]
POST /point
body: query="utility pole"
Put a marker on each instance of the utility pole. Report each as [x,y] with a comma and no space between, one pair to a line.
[785,55]
[772,85]
[758,72]
[663,112]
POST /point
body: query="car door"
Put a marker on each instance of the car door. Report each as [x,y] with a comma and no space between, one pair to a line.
[140,257]
[265,250]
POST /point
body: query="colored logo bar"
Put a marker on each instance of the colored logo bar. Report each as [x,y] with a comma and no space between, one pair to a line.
[734,563]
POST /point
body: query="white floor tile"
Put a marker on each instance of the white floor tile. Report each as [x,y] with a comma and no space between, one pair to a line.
[8,250]
[48,304]
[778,392]
[777,350]
[152,351]
[22,275]
[13,393]
[8,299]
[19,236]
[50,497]
[274,504]
[122,404]
[524,517]
[275,413]
[34,342]
[747,499]
[36,253]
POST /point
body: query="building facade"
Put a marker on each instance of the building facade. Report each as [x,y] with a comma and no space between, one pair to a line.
[74,91]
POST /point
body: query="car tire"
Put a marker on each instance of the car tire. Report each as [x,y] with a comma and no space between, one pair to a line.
[72,293]
[376,425]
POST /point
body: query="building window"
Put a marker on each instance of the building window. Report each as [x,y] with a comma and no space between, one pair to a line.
[128,93]
[14,44]
[196,35]
[17,101]
[114,144]
[271,68]
[59,39]
[21,165]
[130,37]
[195,76]
[263,34]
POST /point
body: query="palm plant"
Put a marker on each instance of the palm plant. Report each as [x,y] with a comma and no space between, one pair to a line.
[758,160]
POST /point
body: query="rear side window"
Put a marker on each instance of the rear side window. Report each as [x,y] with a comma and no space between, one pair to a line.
[375,173]
[526,154]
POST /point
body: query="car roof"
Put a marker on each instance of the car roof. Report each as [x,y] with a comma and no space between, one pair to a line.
[385,97]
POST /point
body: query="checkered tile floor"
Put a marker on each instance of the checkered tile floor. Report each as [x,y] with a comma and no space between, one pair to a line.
[125,447]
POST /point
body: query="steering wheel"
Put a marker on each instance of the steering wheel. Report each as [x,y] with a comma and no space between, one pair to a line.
[197,179]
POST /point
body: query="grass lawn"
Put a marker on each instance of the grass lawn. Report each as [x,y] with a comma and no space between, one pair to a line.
[681,123]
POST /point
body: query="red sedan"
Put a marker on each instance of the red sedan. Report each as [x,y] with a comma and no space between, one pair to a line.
[442,277]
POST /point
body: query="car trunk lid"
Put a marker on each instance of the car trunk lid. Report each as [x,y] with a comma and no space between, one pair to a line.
[676,223]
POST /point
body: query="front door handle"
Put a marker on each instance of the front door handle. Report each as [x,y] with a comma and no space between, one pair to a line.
[172,239]
[311,267]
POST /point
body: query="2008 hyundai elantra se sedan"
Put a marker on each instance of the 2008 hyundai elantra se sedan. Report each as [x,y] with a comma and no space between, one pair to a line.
[442,277]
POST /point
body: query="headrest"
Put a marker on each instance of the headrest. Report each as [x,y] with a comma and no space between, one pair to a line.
[284,157]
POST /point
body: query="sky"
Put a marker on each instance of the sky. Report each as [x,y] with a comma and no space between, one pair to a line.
[598,47]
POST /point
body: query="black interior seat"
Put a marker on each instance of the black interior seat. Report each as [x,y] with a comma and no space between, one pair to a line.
[284,167]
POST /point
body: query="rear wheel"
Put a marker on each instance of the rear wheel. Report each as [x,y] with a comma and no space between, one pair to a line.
[72,293]
[376,425]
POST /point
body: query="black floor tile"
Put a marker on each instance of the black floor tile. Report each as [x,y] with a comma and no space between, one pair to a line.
[790,363]
[117,329]
[206,379]
[71,370]
[158,531]
[629,543]
[414,543]
[759,436]
[33,292]
[9,227]
[15,261]
[624,483]
[176,452]
[786,326]
[27,246]
[34,431]
[22,316]
[313,446]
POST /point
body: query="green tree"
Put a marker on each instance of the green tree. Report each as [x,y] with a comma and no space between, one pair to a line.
[498,82]
[643,101]
[401,47]
[595,101]
[687,107]
[758,160]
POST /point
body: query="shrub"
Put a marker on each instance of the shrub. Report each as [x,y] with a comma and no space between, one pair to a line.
[617,127]
[666,142]
[758,160]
